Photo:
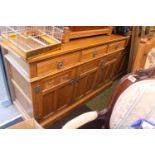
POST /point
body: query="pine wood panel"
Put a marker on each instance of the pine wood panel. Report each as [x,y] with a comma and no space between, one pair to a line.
[93,52]
[116,46]
[48,104]
[57,79]
[72,32]
[78,44]
[84,28]
[22,99]
[23,84]
[58,63]
[64,95]
[105,70]
[57,98]
[86,76]
[144,46]
[55,93]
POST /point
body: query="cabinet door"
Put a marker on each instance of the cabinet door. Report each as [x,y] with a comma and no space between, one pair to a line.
[57,93]
[85,80]
[124,62]
[121,64]
[105,71]
[57,99]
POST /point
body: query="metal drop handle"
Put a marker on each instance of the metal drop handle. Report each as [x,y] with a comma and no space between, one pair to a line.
[60,64]
[78,78]
[72,81]
[94,54]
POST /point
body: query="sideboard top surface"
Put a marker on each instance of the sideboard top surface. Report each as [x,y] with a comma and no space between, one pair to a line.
[71,46]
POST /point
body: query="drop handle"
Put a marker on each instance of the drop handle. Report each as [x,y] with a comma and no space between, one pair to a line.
[60,64]
[73,81]
[94,54]
[78,78]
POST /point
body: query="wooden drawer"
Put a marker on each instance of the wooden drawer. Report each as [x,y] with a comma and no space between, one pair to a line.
[52,65]
[87,67]
[116,46]
[58,79]
[112,56]
[93,52]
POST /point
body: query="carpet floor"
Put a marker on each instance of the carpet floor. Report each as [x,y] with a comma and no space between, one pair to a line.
[77,112]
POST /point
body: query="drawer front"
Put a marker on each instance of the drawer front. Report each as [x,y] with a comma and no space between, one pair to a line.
[112,56]
[89,66]
[58,80]
[93,52]
[116,46]
[58,63]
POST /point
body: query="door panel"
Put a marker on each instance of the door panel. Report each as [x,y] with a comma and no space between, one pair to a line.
[64,95]
[110,70]
[124,62]
[86,76]
[90,82]
[80,87]
[121,64]
[48,105]
[59,95]
[105,71]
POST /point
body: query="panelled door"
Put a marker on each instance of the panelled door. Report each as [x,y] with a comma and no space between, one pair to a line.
[105,71]
[56,93]
[85,79]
